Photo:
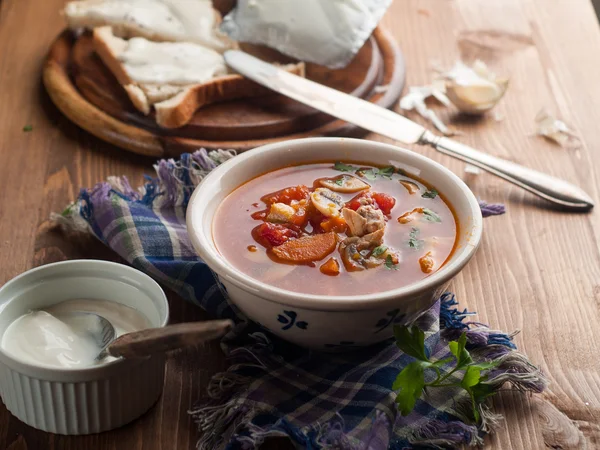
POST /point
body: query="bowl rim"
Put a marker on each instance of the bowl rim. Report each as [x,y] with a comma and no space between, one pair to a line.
[45,371]
[322,302]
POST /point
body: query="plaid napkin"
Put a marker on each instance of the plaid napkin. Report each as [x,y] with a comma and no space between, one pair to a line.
[273,388]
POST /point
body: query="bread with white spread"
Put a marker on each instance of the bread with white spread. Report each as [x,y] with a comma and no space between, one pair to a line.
[173,78]
[158,20]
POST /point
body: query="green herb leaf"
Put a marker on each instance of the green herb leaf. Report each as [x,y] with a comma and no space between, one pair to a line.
[431,216]
[372,174]
[443,362]
[68,210]
[369,174]
[431,193]
[386,172]
[27,128]
[479,393]
[414,242]
[457,348]
[389,263]
[471,377]
[339,182]
[486,365]
[410,383]
[344,167]
[411,341]
[379,251]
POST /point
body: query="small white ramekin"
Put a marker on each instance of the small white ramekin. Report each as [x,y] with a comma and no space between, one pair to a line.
[330,323]
[93,399]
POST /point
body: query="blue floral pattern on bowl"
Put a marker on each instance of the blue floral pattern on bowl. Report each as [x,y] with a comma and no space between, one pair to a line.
[290,320]
[391,317]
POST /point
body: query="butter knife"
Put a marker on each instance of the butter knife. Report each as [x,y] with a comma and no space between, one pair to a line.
[388,123]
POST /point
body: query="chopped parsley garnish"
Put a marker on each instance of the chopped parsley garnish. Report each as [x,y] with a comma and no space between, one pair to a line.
[369,174]
[411,383]
[27,128]
[389,263]
[339,182]
[431,193]
[386,172]
[430,216]
[414,242]
[344,167]
[379,250]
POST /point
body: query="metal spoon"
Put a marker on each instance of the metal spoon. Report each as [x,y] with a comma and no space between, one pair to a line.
[149,341]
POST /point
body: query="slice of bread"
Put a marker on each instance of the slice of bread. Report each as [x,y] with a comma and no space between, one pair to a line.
[174,78]
[157,20]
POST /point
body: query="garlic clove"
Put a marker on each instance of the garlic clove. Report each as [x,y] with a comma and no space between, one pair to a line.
[476,98]
[474,89]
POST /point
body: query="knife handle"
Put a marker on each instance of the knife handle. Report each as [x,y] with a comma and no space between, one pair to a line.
[555,190]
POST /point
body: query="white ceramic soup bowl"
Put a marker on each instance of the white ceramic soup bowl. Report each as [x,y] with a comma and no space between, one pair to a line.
[318,321]
[92,399]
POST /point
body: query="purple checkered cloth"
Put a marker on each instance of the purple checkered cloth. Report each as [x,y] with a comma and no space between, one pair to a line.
[273,388]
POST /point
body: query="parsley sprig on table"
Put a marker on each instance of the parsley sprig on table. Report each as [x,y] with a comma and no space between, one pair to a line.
[410,382]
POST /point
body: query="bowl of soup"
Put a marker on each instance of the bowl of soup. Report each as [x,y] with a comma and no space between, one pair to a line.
[330,242]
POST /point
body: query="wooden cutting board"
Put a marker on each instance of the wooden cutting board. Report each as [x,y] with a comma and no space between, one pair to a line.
[88,94]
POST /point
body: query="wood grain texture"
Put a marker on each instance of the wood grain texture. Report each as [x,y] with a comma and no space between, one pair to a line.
[538,270]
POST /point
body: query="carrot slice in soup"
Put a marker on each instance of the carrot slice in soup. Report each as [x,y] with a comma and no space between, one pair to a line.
[426,263]
[331,267]
[306,249]
[337,224]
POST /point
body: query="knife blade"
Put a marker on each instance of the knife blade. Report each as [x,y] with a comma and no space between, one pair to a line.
[335,103]
[388,123]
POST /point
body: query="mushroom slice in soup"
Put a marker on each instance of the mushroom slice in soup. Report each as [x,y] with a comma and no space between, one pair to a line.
[345,184]
[409,216]
[327,202]
[410,186]
[357,252]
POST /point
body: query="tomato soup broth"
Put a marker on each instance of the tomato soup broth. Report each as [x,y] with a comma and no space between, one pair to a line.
[335,229]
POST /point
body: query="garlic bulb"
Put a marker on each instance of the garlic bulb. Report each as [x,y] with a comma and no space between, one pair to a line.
[475,89]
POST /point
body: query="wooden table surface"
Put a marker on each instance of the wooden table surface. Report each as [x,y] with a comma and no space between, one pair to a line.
[537,271]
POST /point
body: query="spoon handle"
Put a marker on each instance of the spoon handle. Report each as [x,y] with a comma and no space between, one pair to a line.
[159,340]
[555,190]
